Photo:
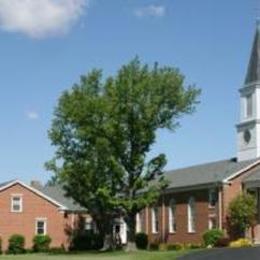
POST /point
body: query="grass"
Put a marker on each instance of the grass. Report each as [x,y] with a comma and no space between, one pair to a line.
[141,255]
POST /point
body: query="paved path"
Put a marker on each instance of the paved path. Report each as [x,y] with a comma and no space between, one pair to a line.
[225,254]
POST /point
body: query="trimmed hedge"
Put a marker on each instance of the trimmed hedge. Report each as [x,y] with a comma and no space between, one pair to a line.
[212,236]
[141,240]
[41,243]
[16,244]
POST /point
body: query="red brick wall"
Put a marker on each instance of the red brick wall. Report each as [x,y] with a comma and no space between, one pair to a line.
[182,235]
[23,223]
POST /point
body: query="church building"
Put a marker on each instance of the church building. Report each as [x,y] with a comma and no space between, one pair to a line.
[198,197]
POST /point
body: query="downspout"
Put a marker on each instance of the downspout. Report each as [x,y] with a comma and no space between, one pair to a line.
[147,220]
[220,207]
[163,220]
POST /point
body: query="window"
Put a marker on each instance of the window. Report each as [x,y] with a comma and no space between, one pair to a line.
[172,216]
[155,220]
[249,105]
[212,222]
[138,222]
[213,198]
[191,215]
[41,226]
[88,224]
[16,203]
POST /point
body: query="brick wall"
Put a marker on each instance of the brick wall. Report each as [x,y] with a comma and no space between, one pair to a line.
[181,235]
[24,223]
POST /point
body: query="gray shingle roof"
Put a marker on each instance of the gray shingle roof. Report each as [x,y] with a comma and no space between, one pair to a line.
[254,176]
[58,194]
[253,72]
[204,174]
[208,173]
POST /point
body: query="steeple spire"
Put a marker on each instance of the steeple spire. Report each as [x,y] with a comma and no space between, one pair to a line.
[253,72]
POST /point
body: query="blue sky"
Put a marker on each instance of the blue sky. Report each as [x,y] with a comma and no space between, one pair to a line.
[45,49]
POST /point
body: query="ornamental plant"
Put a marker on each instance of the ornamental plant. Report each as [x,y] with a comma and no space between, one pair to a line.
[242,213]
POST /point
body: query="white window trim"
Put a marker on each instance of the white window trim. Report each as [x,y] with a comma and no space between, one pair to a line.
[171,216]
[189,215]
[154,231]
[45,225]
[21,203]
[211,217]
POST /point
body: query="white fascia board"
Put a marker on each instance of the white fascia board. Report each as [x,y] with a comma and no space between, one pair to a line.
[62,207]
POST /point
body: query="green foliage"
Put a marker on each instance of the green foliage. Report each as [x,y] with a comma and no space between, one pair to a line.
[211,237]
[16,244]
[175,247]
[41,243]
[242,213]
[103,130]
[86,241]
[141,240]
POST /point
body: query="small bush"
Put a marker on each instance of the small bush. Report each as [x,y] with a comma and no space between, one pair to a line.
[16,244]
[222,242]
[87,241]
[41,243]
[154,246]
[242,242]
[175,247]
[211,237]
[141,241]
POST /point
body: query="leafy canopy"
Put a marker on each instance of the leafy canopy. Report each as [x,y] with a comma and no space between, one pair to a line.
[104,129]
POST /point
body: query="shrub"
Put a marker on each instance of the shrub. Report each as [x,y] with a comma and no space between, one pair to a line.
[87,241]
[242,242]
[242,212]
[16,244]
[211,237]
[154,246]
[222,242]
[41,243]
[141,240]
[175,247]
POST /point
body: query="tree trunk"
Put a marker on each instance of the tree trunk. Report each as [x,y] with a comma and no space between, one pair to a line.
[106,230]
[131,224]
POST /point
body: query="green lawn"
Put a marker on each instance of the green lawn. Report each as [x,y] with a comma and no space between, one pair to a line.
[170,255]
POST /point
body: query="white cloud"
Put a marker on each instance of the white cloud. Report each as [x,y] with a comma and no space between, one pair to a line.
[150,10]
[32,115]
[40,18]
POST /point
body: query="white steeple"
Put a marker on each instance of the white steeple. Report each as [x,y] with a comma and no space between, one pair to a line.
[248,130]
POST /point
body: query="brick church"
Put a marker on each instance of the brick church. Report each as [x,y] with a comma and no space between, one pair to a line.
[196,199]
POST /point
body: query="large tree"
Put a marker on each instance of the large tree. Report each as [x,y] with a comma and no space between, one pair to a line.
[104,131]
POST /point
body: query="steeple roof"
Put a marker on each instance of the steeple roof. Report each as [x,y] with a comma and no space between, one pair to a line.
[253,72]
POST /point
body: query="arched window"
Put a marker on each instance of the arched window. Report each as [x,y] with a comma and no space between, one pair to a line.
[191,215]
[155,220]
[172,216]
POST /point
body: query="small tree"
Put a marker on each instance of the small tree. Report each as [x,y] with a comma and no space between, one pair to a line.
[242,213]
